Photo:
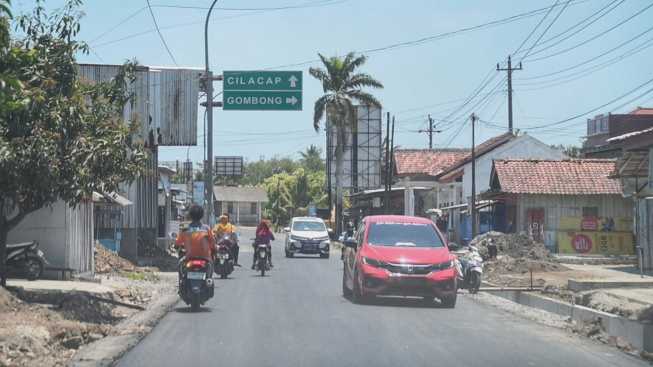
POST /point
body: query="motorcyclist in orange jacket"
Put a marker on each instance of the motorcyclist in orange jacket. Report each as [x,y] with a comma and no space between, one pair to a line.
[197,238]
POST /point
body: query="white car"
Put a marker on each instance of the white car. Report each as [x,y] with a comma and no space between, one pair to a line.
[308,235]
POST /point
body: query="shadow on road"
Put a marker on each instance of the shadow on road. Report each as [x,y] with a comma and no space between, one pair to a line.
[393,301]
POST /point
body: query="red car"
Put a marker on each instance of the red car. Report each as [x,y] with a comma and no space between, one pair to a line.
[394,255]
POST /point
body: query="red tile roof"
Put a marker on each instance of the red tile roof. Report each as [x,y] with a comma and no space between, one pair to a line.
[642,111]
[426,162]
[557,176]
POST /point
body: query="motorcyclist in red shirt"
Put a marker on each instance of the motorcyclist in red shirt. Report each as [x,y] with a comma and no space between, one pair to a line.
[263,236]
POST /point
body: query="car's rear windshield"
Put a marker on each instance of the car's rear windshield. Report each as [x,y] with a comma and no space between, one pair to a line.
[308,226]
[399,234]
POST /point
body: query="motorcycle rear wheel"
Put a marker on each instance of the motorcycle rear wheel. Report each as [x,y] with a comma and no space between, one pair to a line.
[195,302]
[474,282]
[34,266]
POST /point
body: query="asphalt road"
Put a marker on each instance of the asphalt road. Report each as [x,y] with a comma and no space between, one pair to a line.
[296,316]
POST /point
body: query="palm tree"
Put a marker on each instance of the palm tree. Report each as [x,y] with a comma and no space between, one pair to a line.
[312,160]
[342,88]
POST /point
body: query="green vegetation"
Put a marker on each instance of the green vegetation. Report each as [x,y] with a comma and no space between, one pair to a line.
[60,137]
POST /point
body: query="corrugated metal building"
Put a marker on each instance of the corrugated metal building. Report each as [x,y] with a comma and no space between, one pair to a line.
[166,107]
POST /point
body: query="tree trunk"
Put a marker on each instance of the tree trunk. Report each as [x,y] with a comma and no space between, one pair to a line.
[3,257]
[339,174]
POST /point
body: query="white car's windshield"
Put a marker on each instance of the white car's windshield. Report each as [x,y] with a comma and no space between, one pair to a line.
[301,226]
[399,234]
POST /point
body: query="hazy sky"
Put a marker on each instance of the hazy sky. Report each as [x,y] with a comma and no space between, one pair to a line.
[579,58]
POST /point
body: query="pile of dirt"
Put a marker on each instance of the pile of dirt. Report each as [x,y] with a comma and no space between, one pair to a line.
[518,258]
[34,335]
[593,328]
[107,261]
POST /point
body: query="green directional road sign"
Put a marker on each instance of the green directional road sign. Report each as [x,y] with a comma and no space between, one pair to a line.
[262,90]
[262,100]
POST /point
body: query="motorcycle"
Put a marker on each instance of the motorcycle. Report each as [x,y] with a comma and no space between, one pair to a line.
[195,286]
[262,261]
[469,270]
[223,259]
[25,259]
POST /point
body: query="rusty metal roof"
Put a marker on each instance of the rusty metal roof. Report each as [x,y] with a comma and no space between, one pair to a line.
[632,164]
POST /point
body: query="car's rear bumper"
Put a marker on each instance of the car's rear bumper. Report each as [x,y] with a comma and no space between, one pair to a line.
[379,282]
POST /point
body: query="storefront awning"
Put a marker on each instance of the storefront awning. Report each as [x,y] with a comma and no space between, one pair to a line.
[110,199]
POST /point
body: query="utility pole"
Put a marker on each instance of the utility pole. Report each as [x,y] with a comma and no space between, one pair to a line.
[510,69]
[430,131]
[388,184]
[207,80]
[473,206]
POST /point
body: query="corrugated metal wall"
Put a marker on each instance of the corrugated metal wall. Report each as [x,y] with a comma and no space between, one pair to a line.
[174,103]
[166,107]
[79,238]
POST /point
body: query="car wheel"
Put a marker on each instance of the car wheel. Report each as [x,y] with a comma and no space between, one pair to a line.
[449,302]
[345,291]
[357,296]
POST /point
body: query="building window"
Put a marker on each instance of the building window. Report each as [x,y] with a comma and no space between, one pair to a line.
[604,124]
[591,127]
[230,207]
[590,211]
[252,209]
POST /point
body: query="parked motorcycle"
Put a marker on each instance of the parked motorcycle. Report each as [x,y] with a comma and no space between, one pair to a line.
[223,259]
[469,270]
[262,259]
[25,259]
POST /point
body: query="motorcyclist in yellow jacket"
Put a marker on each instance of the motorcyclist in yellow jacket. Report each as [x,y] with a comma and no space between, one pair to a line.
[224,227]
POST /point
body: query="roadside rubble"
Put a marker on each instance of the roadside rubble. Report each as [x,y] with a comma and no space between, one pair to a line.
[47,328]
[521,262]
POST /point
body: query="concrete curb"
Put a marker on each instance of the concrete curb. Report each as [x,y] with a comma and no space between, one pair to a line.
[104,352]
[639,334]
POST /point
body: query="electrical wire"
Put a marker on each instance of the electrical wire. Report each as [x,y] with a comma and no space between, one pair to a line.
[160,35]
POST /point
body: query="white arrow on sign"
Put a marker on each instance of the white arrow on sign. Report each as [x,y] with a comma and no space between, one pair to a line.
[293,80]
[291,100]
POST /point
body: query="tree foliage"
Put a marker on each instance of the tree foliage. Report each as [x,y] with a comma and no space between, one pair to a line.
[60,137]
[291,194]
[312,159]
[569,150]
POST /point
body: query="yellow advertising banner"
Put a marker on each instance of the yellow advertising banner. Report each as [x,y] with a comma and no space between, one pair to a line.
[615,243]
[577,243]
[596,224]
[596,243]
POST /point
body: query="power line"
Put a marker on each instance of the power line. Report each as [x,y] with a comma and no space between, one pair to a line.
[160,35]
